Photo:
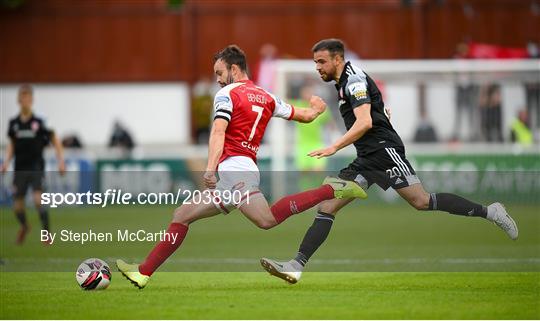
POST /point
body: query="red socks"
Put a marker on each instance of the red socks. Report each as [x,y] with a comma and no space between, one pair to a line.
[164,249]
[296,203]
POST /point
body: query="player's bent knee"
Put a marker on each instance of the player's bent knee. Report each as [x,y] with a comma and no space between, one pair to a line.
[265,225]
[18,205]
[420,203]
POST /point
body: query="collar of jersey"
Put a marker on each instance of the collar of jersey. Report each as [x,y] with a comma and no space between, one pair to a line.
[29,119]
[343,77]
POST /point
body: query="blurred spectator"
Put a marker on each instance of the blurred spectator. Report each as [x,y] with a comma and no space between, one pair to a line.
[533,50]
[71,141]
[425,131]
[532,91]
[520,131]
[121,137]
[202,102]
[532,97]
[491,113]
[466,101]
[264,72]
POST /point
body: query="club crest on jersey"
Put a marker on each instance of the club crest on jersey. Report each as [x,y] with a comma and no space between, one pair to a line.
[35,126]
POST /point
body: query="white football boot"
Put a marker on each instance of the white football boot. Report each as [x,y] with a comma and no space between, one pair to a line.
[498,215]
[288,271]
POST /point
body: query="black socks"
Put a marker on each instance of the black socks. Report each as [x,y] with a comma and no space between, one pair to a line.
[21,217]
[455,204]
[315,236]
[44,217]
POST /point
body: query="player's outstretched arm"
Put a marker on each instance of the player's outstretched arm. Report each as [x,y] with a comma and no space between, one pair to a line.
[362,124]
[9,156]
[307,115]
[215,149]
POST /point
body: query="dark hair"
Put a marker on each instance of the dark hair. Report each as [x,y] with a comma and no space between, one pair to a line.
[334,46]
[232,55]
[26,89]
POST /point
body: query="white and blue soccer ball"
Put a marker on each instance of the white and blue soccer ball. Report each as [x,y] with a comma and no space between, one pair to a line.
[93,274]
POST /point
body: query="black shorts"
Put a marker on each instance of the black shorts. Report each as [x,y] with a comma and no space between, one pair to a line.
[22,180]
[385,167]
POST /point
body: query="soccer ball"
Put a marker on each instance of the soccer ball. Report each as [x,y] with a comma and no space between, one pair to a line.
[93,274]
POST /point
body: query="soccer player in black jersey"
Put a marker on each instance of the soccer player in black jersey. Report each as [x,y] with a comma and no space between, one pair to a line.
[380,159]
[28,136]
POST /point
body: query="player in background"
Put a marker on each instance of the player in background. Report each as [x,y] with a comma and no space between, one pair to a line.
[309,138]
[28,136]
[241,113]
[380,160]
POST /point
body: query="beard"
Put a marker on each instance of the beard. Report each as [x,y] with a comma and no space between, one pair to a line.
[328,76]
[230,78]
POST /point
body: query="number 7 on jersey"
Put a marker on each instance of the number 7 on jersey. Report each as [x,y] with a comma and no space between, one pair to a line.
[259,110]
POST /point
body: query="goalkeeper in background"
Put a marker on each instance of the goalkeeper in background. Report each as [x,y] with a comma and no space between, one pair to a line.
[308,138]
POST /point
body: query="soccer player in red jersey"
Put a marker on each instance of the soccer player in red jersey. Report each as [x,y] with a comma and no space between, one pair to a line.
[242,111]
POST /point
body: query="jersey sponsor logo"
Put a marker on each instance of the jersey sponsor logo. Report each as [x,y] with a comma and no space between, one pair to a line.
[358,90]
[26,133]
[249,146]
[341,102]
[222,102]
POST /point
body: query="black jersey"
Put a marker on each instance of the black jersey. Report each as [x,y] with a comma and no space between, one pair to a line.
[29,138]
[356,88]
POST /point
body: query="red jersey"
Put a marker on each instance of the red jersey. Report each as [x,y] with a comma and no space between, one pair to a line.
[248,110]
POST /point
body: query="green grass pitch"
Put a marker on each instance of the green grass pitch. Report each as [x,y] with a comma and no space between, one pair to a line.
[379,262]
[250,295]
